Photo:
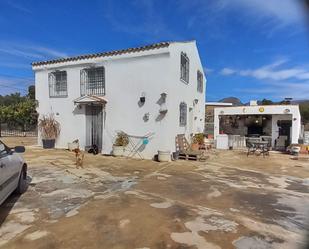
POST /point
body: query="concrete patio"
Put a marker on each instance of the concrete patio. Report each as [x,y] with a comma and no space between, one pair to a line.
[230,201]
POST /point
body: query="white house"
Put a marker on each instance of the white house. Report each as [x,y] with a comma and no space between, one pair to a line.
[159,89]
[267,120]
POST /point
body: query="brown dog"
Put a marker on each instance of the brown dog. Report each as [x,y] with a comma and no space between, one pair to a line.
[79,158]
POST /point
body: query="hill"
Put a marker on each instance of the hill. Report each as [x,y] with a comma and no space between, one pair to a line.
[235,101]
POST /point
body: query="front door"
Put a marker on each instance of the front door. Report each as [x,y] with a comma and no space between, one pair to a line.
[94,126]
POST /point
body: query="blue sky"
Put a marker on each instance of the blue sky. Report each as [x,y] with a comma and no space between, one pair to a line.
[251,49]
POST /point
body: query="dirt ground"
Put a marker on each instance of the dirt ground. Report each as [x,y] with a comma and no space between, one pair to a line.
[229,201]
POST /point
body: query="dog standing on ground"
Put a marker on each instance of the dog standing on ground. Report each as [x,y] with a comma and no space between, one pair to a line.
[79,158]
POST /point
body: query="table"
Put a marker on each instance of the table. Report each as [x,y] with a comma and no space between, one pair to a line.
[260,147]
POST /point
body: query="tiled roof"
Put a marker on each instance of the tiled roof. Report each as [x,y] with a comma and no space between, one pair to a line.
[104,54]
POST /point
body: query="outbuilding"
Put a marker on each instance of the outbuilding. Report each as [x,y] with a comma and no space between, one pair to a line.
[278,122]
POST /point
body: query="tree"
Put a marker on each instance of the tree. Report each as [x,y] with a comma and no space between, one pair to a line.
[11,99]
[31,92]
[21,115]
[304,112]
[267,102]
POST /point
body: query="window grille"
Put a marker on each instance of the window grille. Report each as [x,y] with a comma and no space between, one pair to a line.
[58,84]
[199,81]
[184,67]
[183,114]
[93,81]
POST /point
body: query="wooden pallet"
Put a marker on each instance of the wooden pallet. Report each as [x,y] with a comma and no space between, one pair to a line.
[185,152]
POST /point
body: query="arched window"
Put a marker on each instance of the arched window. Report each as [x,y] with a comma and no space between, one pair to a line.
[184,68]
[58,84]
[200,81]
[183,114]
[92,81]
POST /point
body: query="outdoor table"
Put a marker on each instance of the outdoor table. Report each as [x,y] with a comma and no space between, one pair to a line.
[260,147]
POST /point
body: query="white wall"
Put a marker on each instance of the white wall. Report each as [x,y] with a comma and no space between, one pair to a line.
[127,76]
[278,112]
[72,119]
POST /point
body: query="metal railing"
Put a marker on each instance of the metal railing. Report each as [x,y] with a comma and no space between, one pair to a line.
[92,81]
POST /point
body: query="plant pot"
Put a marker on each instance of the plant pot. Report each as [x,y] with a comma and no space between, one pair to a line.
[195,146]
[118,151]
[48,143]
[73,146]
[164,156]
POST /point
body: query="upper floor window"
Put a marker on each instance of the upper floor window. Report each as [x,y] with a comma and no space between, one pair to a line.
[58,84]
[183,114]
[93,81]
[199,81]
[184,67]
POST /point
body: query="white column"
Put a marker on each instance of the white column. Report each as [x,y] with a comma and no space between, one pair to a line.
[296,128]
[216,123]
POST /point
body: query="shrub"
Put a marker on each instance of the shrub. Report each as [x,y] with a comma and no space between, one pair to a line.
[121,139]
[49,127]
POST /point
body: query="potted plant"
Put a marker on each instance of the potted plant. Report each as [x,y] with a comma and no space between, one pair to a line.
[120,143]
[49,129]
[197,140]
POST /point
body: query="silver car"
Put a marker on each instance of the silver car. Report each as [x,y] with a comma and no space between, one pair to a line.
[13,171]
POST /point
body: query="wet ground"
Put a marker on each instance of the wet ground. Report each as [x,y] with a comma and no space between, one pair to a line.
[229,201]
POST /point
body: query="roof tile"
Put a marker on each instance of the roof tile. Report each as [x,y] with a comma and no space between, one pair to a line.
[104,54]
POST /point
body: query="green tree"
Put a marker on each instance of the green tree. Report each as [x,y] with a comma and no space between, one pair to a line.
[304,112]
[31,92]
[267,102]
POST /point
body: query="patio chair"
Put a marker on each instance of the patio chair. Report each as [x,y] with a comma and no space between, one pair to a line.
[185,151]
[251,147]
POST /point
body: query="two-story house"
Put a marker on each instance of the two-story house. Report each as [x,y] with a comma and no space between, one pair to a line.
[158,89]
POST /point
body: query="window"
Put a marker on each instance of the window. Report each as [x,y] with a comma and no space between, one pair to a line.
[93,81]
[184,68]
[200,82]
[58,84]
[183,114]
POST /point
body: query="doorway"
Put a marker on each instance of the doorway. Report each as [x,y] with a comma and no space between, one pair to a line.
[285,129]
[94,126]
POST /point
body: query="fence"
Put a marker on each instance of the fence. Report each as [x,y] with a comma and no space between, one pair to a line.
[9,131]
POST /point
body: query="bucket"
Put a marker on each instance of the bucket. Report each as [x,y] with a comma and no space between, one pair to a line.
[164,156]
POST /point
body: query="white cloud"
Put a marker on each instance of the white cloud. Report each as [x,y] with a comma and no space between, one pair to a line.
[208,70]
[10,84]
[18,6]
[273,71]
[269,16]
[29,51]
[281,90]
[284,12]
[227,71]
[276,80]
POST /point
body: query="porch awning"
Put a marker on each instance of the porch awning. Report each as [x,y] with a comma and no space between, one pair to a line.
[90,99]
